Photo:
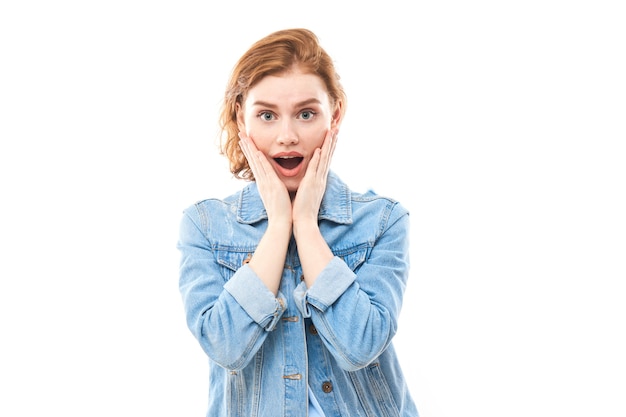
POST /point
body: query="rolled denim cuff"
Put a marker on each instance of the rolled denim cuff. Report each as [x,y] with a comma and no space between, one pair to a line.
[331,283]
[255,299]
[281,306]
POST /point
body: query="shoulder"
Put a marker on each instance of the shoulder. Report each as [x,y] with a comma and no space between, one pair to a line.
[343,204]
[202,210]
[370,199]
[365,211]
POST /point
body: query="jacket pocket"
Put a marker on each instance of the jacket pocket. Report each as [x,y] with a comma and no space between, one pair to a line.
[354,256]
[230,260]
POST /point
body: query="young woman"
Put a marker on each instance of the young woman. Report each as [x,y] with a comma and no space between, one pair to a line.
[293,285]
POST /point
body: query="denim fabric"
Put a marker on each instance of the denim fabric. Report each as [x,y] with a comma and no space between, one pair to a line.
[336,337]
[315,410]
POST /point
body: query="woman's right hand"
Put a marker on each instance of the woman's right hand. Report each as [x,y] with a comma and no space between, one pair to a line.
[268,259]
[272,190]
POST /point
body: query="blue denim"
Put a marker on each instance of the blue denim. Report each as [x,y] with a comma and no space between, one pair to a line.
[335,337]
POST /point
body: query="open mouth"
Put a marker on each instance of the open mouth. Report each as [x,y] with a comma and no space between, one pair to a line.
[288,162]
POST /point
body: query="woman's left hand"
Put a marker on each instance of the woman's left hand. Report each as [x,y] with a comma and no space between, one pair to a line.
[309,196]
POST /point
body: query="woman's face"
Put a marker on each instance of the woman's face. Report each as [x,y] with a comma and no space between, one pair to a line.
[287,117]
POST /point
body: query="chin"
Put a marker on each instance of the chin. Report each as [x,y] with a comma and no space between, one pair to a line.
[292,185]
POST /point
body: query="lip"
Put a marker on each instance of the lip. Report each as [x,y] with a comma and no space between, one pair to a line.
[287,172]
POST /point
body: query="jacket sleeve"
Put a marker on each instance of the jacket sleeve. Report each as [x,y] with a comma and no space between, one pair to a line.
[356,313]
[229,317]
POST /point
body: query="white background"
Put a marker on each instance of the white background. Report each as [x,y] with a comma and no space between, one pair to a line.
[500,125]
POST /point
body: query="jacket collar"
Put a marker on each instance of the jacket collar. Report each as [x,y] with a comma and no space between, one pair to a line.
[336,204]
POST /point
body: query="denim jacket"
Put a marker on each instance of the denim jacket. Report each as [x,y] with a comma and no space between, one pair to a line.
[336,336]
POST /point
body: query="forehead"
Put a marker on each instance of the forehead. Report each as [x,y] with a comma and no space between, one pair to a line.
[288,88]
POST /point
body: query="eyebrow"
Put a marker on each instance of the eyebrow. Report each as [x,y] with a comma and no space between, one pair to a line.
[299,104]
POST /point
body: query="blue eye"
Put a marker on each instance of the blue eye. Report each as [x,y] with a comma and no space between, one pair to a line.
[307,114]
[267,116]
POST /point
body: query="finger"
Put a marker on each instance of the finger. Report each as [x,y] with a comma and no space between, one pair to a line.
[317,163]
[263,163]
[331,148]
[257,160]
[251,154]
[312,169]
[327,151]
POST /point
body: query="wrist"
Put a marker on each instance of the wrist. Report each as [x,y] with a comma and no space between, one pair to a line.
[305,227]
[282,226]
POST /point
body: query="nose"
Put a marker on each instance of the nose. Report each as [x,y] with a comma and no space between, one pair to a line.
[287,134]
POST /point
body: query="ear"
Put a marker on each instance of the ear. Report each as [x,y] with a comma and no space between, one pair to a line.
[336,120]
[240,119]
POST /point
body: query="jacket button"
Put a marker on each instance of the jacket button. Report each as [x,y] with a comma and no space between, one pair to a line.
[327,387]
[312,329]
[301,277]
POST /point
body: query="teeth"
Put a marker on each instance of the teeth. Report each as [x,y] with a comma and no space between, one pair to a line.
[286,157]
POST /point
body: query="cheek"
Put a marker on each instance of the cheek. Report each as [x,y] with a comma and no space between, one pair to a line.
[261,138]
[317,136]
[255,130]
